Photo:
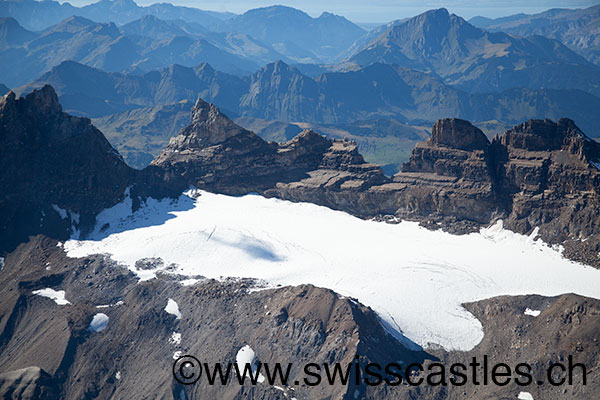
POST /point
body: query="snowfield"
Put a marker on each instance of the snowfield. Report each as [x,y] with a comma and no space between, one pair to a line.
[57,295]
[415,279]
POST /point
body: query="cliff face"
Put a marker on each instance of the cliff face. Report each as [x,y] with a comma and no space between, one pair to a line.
[539,174]
[56,171]
[550,170]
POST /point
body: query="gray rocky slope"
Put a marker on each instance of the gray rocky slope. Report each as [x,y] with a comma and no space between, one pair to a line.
[540,173]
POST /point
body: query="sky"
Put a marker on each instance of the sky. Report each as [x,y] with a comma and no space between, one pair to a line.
[381,10]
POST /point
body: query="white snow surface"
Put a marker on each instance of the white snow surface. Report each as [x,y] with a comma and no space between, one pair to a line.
[173,308]
[246,355]
[532,313]
[57,295]
[525,396]
[99,322]
[414,278]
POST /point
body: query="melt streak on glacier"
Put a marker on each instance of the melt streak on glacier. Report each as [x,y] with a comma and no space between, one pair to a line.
[415,279]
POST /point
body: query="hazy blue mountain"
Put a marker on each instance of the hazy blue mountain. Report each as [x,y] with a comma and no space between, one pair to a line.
[281,92]
[278,91]
[36,15]
[76,38]
[578,29]
[476,60]
[3,89]
[245,46]
[91,92]
[369,36]
[39,15]
[104,46]
[152,26]
[296,34]
[239,44]
[12,34]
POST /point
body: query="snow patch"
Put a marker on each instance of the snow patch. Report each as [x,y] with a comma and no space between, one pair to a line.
[189,282]
[416,280]
[175,338]
[173,308]
[525,396]
[99,322]
[57,295]
[118,375]
[1,263]
[246,355]
[177,354]
[533,313]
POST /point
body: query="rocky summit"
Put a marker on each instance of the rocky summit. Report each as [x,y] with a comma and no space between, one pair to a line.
[216,154]
[57,171]
[540,174]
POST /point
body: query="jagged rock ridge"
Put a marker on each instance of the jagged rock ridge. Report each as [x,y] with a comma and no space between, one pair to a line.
[214,152]
[58,171]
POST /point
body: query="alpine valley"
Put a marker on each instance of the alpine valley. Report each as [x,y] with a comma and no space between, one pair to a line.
[279,187]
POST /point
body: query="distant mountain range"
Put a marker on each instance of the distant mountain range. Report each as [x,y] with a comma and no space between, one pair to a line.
[281,92]
[139,113]
[137,79]
[578,29]
[289,30]
[142,45]
[447,46]
[40,15]
[290,34]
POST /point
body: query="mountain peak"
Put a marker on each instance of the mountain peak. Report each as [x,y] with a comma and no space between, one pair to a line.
[458,134]
[547,135]
[209,127]
[44,100]
[278,67]
[276,9]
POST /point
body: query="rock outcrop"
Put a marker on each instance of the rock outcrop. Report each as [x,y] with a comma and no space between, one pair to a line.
[56,171]
[216,154]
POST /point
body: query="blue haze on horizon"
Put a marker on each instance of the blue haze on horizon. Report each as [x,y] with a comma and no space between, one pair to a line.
[379,11]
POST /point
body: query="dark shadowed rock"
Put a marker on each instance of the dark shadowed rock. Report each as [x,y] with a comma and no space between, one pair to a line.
[459,134]
[57,171]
